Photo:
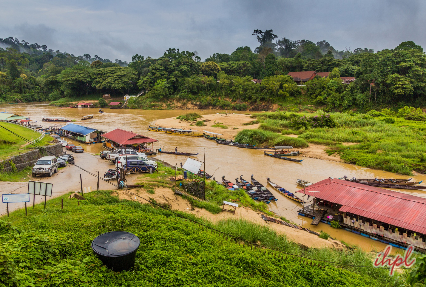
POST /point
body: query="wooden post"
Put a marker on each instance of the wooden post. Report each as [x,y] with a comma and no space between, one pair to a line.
[45,199]
[204,195]
[97,186]
[26,213]
[62,204]
[78,202]
[7,208]
[81,185]
[34,198]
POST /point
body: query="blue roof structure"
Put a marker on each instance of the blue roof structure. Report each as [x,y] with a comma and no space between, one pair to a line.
[78,129]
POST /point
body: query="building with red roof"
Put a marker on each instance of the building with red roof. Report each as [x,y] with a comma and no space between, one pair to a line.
[379,213]
[323,74]
[119,137]
[302,77]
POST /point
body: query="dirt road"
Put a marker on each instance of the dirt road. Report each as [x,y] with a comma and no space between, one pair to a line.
[66,180]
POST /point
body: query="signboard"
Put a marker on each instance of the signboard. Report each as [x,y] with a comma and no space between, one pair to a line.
[192,165]
[40,188]
[15,198]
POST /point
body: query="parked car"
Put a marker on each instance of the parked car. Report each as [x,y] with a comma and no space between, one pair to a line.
[69,158]
[69,146]
[121,160]
[63,143]
[62,162]
[46,165]
[116,153]
[104,154]
[77,149]
[139,166]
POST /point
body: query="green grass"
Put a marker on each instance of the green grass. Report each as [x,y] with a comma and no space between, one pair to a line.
[52,248]
[190,117]
[23,175]
[11,145]
[395,145]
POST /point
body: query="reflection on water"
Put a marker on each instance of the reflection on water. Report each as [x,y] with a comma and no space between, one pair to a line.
[222,160]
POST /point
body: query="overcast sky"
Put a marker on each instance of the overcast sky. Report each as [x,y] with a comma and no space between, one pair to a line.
[119,29]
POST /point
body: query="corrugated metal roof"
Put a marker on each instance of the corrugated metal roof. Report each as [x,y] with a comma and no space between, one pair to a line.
[123,137]
[4,116]
[395,208]
[78,129]
[115,103]
[302,76]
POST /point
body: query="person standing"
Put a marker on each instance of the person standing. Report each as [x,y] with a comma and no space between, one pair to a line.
[175,149]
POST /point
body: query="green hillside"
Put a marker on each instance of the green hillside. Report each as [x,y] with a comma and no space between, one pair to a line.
[52,248]
[10,144]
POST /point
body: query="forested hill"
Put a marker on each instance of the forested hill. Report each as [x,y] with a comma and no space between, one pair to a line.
[388,78]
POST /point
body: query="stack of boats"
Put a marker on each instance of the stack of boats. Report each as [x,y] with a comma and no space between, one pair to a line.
[397,183]
[232,143]
[176,131]
[254,189]
[282,152]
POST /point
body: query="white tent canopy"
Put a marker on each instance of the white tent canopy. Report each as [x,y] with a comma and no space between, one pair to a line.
[192,165]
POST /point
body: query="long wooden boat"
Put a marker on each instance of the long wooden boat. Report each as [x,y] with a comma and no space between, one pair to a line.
[88,117]
[58,119]
[385,181]
[282,157]
[263,189]
[397,186]
[284,192]
[285,153]
[228,184]
[177,153]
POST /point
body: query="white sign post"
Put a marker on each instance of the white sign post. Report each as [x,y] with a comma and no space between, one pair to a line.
[15,198]
[40,188]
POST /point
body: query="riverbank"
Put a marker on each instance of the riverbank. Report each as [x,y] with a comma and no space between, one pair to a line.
[236,123]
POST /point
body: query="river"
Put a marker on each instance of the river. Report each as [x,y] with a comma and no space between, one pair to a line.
[222,160]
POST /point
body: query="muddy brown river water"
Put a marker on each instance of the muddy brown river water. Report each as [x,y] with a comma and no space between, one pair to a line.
[221,160]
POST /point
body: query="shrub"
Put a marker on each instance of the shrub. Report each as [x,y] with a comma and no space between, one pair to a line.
[324,235]
[189,117]
[102,103]
[389,120]
[200,123]
[335,224]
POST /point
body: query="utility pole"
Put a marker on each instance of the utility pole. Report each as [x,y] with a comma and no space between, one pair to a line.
[204,196]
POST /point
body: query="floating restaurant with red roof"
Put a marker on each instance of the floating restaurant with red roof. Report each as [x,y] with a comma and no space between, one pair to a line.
[391,217]
[119,137]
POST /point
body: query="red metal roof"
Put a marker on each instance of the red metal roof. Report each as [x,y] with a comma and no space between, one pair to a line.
[302,76]
[115,103]
[123,137]
[391,207]
[323,74]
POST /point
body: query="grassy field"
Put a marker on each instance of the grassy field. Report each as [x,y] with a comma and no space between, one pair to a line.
[379,141]
[11,145]
[52,247]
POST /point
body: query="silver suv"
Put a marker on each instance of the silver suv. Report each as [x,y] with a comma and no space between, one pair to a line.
[46,165]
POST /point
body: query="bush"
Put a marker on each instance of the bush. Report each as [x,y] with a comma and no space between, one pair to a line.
[324,235]
[189,117]
[335,224]
[102,103]
[200,123]
[389,120]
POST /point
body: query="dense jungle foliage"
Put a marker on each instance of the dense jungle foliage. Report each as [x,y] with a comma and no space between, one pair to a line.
[388,78]
[52,247]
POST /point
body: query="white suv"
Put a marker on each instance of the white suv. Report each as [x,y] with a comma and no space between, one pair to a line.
[46,165]
[116,153]
[121,160]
